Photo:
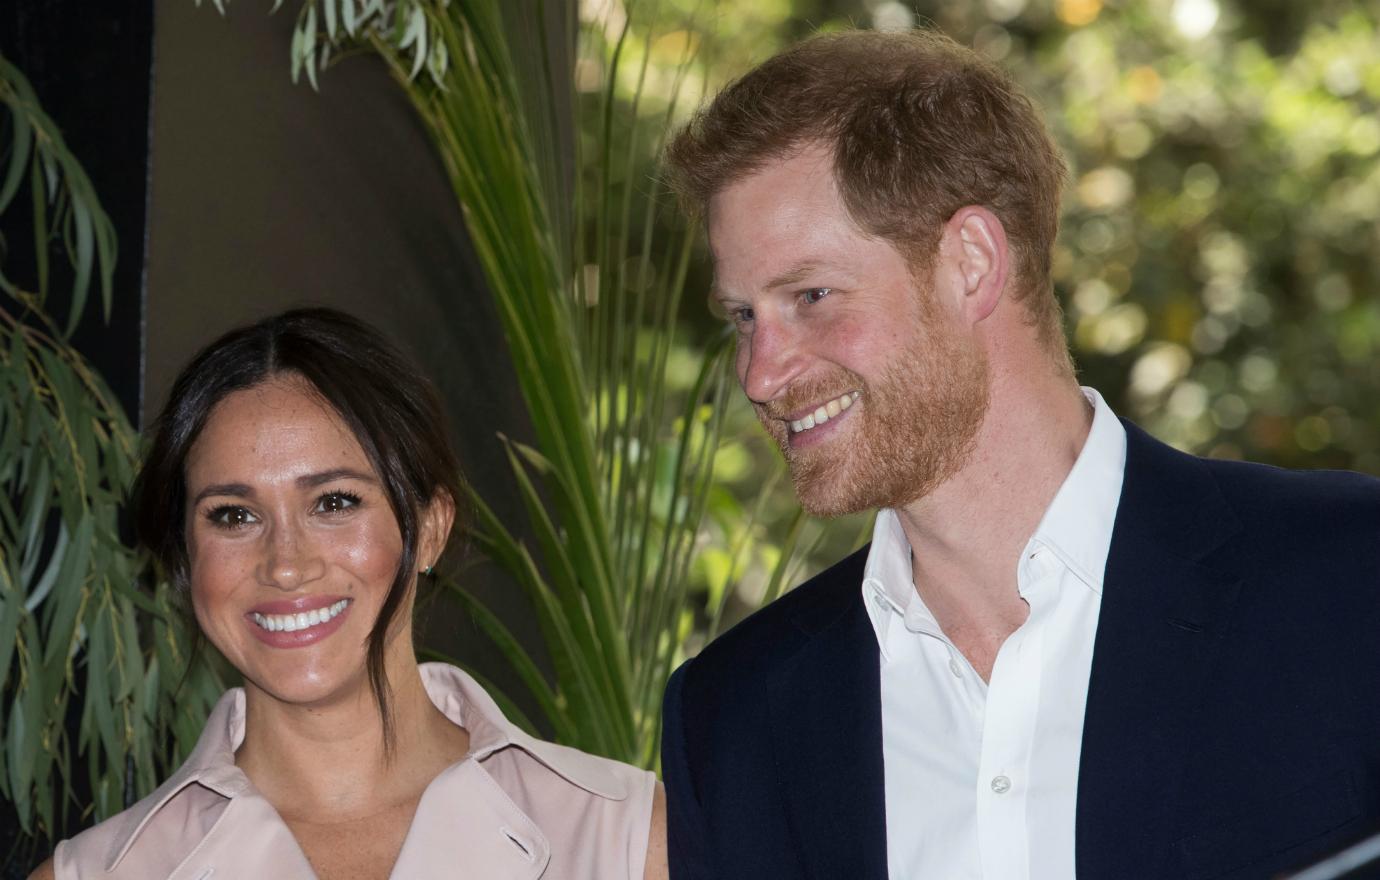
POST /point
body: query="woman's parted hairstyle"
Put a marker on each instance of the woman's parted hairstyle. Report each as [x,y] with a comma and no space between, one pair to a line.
[919,127]
[393,411]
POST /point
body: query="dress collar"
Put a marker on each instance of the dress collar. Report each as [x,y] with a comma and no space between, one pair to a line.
[459,697]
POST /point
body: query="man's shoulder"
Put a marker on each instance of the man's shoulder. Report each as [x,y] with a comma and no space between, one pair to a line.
[773,633]
[1296,506]
[1298,486]
[1277,506]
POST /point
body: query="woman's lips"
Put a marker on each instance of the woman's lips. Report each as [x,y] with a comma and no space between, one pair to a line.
[298,622]
[295,606]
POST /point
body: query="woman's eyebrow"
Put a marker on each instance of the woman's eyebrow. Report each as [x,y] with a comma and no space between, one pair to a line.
[236,490]
[308,481]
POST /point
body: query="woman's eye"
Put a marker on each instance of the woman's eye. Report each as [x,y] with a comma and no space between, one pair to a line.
[231,516]
[815,294]
[336,502]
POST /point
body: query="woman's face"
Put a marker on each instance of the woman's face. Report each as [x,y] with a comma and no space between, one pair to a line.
[291,542]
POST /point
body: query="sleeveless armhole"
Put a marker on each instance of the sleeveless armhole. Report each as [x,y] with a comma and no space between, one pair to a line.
[640,820]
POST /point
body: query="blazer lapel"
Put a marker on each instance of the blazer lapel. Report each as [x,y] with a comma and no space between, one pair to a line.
[1167,590]
[825,709]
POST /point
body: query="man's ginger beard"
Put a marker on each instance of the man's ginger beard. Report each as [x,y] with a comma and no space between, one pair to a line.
[912,429]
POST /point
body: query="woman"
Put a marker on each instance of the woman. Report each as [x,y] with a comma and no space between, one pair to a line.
[298,483]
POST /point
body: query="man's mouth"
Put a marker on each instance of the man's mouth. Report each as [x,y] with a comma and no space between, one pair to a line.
[824,412]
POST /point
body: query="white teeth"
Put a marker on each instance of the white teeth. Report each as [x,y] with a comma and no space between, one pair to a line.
[303,620]
[825,412]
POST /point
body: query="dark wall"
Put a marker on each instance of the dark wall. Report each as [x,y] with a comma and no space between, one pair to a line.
[89,65]
[242,195]
[267,195]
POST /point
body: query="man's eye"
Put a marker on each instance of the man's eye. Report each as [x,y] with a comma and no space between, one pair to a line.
[231,516]
[336,502]
[741,316]
[815,294]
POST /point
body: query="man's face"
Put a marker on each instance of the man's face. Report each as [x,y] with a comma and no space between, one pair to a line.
[869,382]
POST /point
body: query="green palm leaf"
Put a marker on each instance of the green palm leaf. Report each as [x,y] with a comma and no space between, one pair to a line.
[617,483]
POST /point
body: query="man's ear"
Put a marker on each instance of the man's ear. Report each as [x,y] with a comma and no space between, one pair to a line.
[975,241]
[436,521]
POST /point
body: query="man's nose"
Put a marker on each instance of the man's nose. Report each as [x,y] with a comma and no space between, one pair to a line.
[769,360]
[291,559]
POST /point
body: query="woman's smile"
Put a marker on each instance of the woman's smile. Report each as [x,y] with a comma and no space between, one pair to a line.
[298,622]
[292,542]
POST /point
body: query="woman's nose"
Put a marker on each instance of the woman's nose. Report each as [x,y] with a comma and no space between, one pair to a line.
[291,560]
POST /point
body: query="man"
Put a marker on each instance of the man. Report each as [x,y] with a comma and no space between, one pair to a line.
[1069,648]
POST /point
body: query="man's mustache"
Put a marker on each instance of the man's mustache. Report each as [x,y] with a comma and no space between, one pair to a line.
[808,393]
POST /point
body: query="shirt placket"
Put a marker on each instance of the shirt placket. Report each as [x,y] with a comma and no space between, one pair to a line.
[1012,709]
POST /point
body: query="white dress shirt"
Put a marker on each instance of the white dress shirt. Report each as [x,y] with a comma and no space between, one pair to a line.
[981,778]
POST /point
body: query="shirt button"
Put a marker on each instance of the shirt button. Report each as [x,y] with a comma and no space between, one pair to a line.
[1001,784]
[955,668]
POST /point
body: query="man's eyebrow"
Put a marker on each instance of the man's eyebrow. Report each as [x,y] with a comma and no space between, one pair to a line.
[793,275]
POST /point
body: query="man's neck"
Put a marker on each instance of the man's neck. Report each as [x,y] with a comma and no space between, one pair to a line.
[967,535]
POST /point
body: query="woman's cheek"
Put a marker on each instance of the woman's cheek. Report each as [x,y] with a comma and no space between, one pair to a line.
[372,550]
[215,570]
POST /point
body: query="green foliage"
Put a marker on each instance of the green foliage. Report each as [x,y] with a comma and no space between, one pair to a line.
[62,200]
[1219,250]
[1216,268]
[78,635]
[1219,253]
[644,61]
[587,280]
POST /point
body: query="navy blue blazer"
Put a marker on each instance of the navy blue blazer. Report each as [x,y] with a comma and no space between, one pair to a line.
[1233,716]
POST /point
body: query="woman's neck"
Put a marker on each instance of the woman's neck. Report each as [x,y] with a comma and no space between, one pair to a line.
[328,760]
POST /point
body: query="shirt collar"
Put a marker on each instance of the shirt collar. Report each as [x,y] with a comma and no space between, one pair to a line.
[888,568]
[459,697]
[1076,527]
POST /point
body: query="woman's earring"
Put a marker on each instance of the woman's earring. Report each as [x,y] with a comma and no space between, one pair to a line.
[426,572]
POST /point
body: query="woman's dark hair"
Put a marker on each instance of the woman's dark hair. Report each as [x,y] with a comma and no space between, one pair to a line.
[390,407]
